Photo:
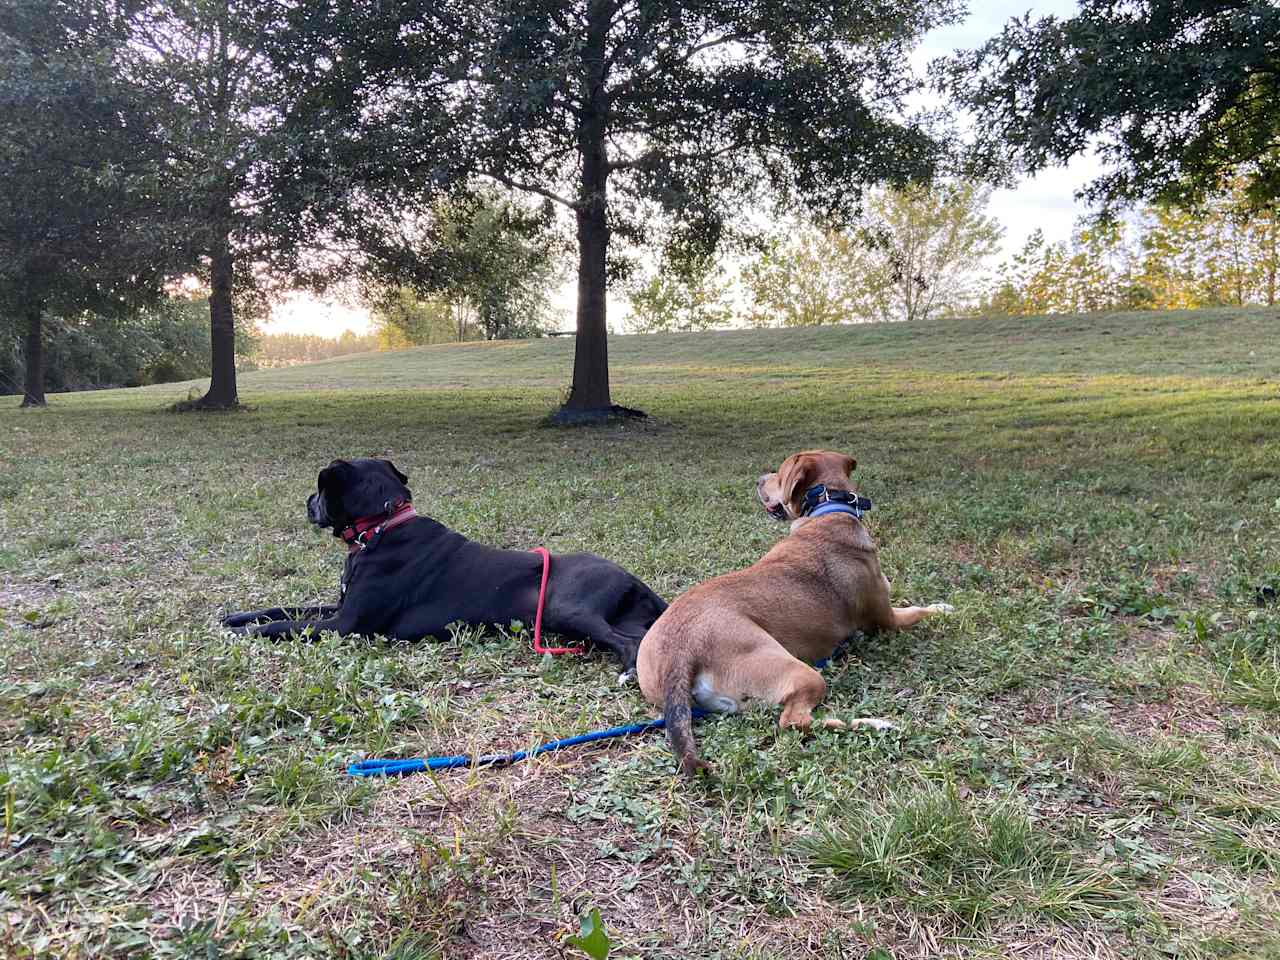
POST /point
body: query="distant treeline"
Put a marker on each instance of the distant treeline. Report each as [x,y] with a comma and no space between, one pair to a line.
[161,343]
[287,349]
[1225,252]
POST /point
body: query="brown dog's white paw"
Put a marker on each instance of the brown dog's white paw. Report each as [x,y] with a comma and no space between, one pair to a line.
[626,676]
[878,724]
[940,608]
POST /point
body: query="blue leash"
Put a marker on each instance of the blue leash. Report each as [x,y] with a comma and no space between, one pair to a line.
[400,768]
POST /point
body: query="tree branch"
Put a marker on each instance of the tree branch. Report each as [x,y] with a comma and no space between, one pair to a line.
[530,188]
[631,82]
[650,155]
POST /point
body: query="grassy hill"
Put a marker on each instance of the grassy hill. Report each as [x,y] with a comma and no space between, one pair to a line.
[1089,760]
[1200,343]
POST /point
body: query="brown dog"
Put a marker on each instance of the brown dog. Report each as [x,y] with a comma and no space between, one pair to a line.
[753,633]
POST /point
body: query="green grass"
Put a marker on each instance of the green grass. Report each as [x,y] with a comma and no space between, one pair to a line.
[1089,763]
[926,845]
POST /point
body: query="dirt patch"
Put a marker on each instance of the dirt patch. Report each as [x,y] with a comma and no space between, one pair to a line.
[16,599]
[1194,714]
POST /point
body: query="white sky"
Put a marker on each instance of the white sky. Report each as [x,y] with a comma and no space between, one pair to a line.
[1046,201]
[306,313]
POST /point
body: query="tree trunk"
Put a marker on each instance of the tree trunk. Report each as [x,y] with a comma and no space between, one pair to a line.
[222,328]
[591,354]
[1273,228]
[590,390]
[33,388]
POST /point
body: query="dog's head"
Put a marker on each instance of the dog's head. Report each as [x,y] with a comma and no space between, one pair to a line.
[349,490]
[782,493]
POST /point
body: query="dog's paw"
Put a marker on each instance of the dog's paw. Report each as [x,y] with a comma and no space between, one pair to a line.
[878,724]
[233,620]
[940,608]
[626,676]
[693,767]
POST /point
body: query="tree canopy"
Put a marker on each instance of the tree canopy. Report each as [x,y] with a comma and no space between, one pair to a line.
[84,217]
[1175,95]
[620,112]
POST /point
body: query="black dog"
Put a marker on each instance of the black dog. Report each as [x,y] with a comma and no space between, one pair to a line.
[407,576]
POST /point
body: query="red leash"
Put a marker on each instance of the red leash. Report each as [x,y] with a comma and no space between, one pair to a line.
[542,597]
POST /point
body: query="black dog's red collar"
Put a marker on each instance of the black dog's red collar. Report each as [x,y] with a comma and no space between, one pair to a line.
[364,531]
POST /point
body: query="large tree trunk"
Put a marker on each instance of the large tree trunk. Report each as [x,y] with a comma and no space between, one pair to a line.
[222,328]
[591,356]
[33,388]
[590,391]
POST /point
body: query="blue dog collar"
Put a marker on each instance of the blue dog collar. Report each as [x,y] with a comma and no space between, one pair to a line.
[827,508]
[819,501]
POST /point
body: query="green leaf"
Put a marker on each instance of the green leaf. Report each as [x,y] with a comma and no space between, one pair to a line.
[591,938]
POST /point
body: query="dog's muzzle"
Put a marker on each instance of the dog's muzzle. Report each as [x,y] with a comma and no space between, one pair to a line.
[316,512]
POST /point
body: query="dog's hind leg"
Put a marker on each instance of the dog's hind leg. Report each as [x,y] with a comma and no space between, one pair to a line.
[770,673]
[598,632]
[804,690]
[234,620]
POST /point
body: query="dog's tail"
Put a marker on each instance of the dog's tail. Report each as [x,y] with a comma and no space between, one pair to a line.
[678,712]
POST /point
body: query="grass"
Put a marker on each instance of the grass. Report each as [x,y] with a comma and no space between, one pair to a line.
[1090,757]
[924,844]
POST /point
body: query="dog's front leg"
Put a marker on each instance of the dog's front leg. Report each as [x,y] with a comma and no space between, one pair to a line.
[236,621]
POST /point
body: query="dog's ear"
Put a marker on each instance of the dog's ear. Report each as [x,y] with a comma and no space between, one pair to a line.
[848,464]
[394,469]
[335,477]
[796,475]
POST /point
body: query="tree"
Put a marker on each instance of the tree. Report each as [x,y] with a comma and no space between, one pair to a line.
[215,100]
[1177,95]
[1223,251]
[911,256]
[195,72]
[82,215]
[1165,257]
[500,262]
[616,109]
[1094,271]
[404,320]
[929,241]
[811,278]
[491,262]
[160,342]
[286,349]
[683,293]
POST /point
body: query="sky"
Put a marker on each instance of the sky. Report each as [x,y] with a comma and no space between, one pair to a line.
[1046,202]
